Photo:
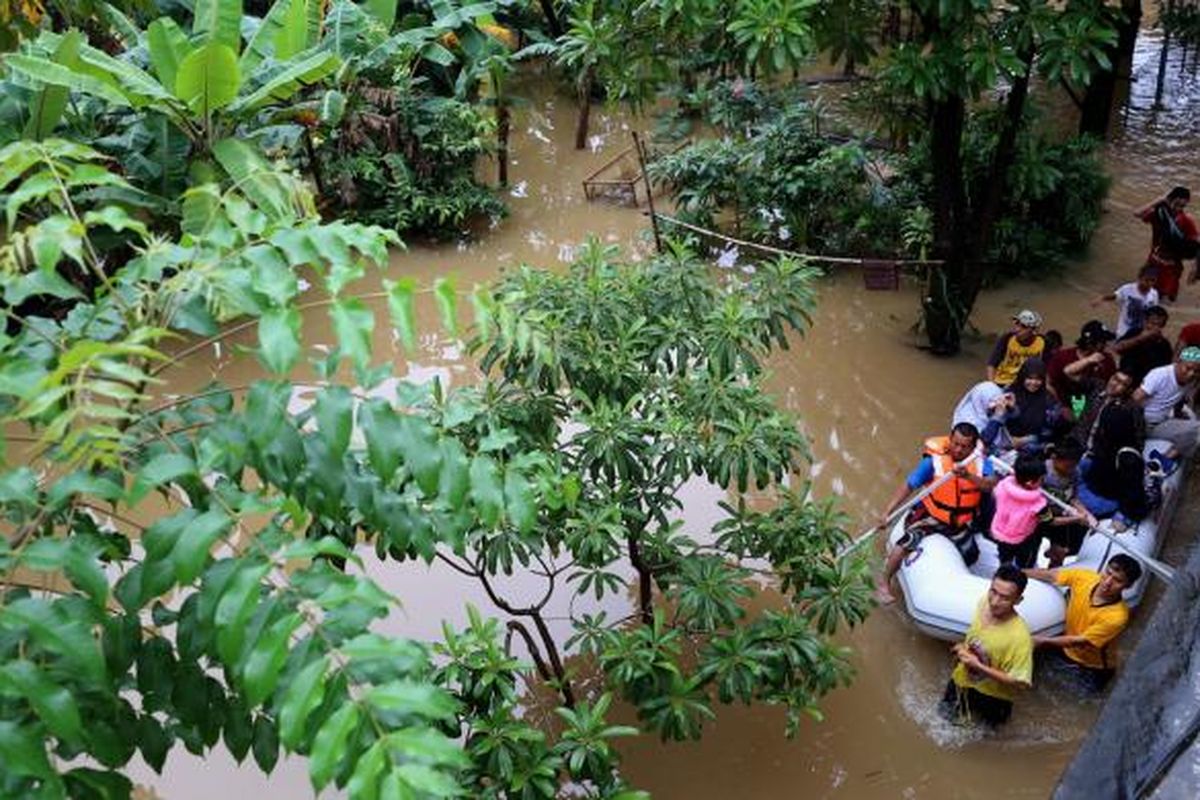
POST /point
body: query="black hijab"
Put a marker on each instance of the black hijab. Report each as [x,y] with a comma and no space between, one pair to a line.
[1033,408]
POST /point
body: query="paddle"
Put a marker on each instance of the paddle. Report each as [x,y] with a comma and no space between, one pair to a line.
[891,519]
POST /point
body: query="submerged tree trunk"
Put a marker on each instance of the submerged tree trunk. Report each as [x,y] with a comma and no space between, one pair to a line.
[552,22]
[944,315]
[979,232]
[585,110]
[1096,108]
[503,122]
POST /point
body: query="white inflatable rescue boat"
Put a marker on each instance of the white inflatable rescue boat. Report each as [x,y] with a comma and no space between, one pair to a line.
[941,592]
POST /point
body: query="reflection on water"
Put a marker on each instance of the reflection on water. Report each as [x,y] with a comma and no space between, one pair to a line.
[867,397]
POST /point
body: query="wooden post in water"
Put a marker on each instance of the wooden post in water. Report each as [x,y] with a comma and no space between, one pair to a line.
[641,154]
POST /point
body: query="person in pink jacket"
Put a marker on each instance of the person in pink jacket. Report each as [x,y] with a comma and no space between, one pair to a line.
[1020,506]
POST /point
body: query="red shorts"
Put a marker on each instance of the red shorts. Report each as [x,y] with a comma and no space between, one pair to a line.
[1170,272]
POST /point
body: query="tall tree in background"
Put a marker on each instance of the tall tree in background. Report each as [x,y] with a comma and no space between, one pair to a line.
[963,52]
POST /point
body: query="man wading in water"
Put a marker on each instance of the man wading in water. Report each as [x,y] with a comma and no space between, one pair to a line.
[1096,615]
[996,657]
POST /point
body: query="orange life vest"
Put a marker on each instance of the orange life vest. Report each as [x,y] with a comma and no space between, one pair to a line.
[955,501]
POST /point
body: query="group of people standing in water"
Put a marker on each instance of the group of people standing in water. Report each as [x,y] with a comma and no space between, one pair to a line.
[1067,426]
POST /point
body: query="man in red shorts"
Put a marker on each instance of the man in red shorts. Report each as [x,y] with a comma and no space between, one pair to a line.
[1175,238]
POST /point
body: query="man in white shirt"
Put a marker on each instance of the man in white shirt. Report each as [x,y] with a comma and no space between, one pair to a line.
[1160,395]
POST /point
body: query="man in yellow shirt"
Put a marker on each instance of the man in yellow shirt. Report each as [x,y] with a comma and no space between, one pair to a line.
[995,658]
[1015,347]
[1096,615]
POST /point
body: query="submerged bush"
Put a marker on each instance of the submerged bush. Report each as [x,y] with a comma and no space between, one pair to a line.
[779,181]
[407,162]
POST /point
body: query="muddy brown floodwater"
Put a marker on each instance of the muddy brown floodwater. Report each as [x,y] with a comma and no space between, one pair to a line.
[867,397]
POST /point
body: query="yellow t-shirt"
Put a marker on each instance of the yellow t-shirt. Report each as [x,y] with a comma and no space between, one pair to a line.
[1007,646]
[1016,354]
[1100,624]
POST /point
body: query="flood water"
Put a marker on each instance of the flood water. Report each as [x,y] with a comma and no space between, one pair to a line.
[866,395]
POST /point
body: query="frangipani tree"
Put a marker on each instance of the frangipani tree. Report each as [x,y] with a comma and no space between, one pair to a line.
[191,569]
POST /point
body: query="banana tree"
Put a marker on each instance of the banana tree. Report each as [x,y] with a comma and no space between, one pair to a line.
[488,59]
[202,83]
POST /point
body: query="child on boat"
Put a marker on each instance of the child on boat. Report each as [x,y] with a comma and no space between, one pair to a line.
[1020,508]
[1065,531]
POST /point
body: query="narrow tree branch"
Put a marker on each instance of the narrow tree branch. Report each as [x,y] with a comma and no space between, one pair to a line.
[540,663]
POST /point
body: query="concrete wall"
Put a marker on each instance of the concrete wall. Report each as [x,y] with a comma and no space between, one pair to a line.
[1144,741]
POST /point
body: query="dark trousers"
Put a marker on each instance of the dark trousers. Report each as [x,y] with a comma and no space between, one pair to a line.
[1024,555]
[973,705]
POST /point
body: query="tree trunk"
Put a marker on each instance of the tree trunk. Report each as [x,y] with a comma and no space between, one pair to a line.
[1097,106]
[988,211]
[502,125]
[891,24]
[585,110]
[645,582]
[552,22]
[1162,62]
[944,317]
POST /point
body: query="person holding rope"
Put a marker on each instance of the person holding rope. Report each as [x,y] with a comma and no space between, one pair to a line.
[996,656]
[954,468]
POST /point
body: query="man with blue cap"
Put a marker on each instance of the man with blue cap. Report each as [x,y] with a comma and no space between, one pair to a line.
[1162,396]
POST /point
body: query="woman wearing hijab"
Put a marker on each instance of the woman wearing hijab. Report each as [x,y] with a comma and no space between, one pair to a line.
[1037,417]
[986,406]
[1113,477]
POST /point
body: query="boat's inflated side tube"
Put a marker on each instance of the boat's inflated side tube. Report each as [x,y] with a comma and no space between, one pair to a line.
[941,593]
[1142,540]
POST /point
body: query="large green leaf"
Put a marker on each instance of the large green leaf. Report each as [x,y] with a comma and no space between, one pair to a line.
[219,21]
[292,37]
[262,44]
[54,704]
[329,747]
[334,411]
[137,85]
[255,176]
[46,71]
[208,78]
[400,306]
[23,750]
[169,47]
[353,323]
[286,83]
[304,693]
[382,10]
[266,658]
[48,105]
[279,339]
[191,550]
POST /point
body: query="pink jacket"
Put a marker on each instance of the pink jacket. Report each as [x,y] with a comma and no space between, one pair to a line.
[1017,510]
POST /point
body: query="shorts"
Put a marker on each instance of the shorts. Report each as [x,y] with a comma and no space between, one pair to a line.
[959,704]
[919,524]
[1060,669]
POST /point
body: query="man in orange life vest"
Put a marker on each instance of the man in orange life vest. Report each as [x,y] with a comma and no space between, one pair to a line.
[950,508]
